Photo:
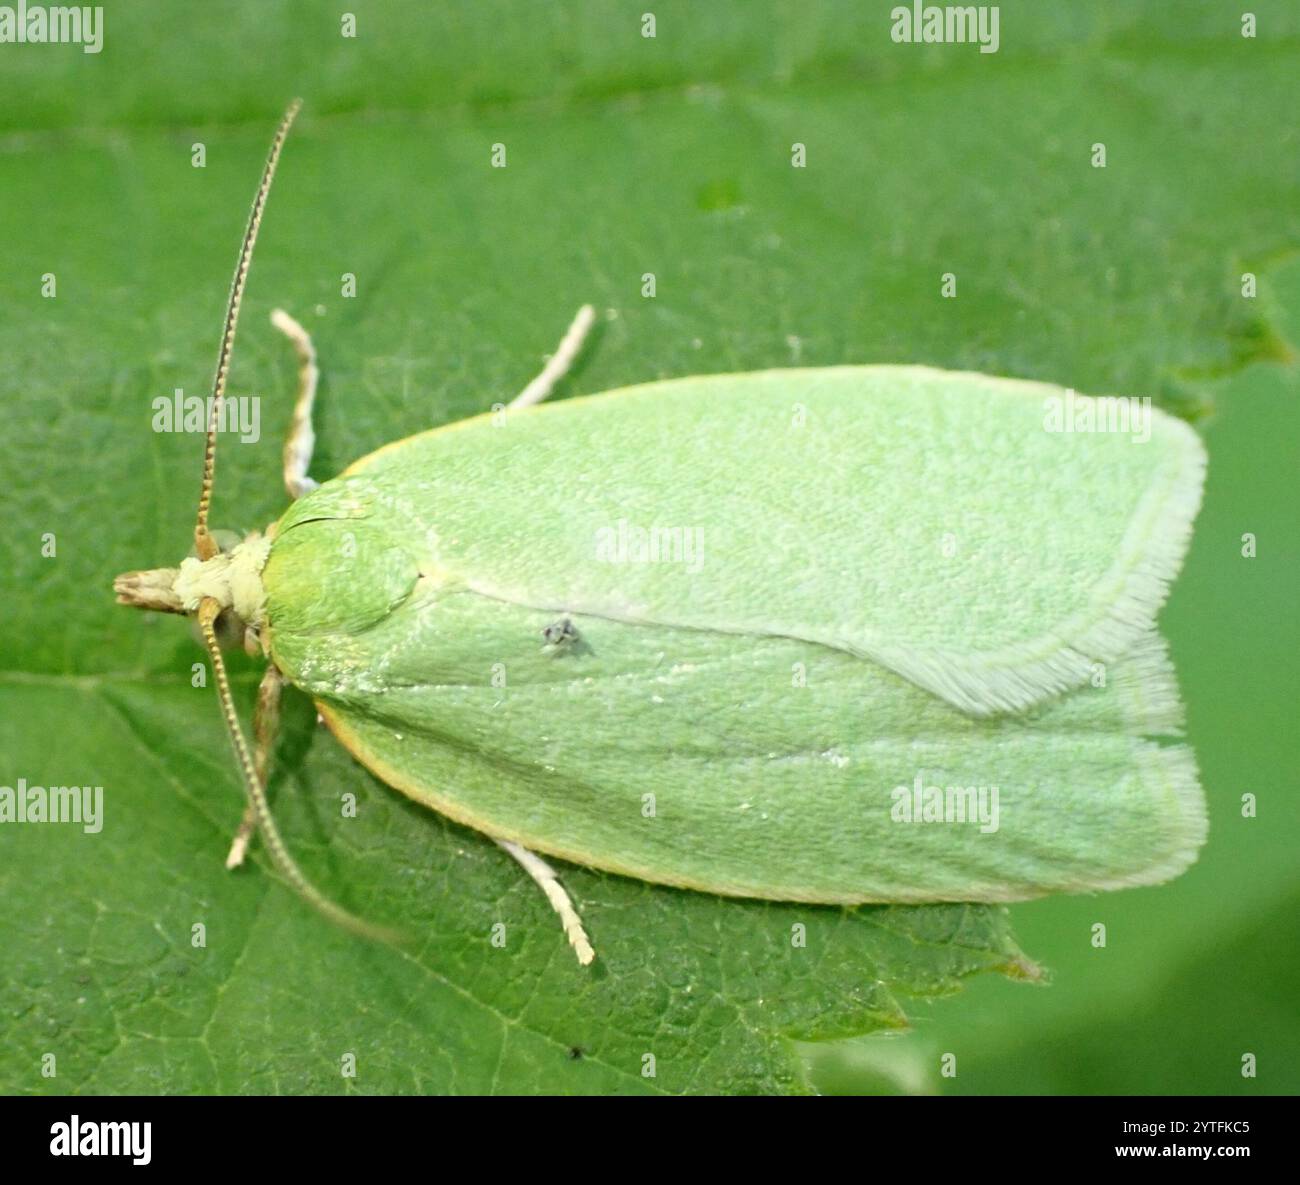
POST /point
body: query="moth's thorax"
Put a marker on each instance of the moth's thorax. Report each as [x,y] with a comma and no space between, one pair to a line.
[232,578]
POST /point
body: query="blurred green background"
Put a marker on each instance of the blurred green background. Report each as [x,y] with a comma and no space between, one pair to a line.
[626,155]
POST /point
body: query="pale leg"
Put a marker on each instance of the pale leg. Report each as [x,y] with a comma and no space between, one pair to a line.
[266,726]
[301,439]
[549,883]
[558,364]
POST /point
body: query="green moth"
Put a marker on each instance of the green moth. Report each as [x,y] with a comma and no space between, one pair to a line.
[840,635]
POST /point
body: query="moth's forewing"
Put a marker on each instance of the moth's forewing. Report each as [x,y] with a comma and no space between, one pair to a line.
[801,595]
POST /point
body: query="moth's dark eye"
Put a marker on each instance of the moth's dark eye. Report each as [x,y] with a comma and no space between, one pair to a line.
[226,540]
[229,628]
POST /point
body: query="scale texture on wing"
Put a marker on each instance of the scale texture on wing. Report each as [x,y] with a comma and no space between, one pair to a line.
[925,519]
[766,711]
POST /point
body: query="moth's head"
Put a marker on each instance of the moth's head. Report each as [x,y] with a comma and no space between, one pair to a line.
[231,577]
[155,588]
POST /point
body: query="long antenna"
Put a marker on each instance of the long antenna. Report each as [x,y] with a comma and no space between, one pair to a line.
[204,544]
[209,610]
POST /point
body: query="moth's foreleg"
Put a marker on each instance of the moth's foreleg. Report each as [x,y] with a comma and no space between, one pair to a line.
[558,364]
[547,880]
[266,727]
[301,440]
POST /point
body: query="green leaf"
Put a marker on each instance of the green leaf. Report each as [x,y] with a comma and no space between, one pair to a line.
[626,155]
